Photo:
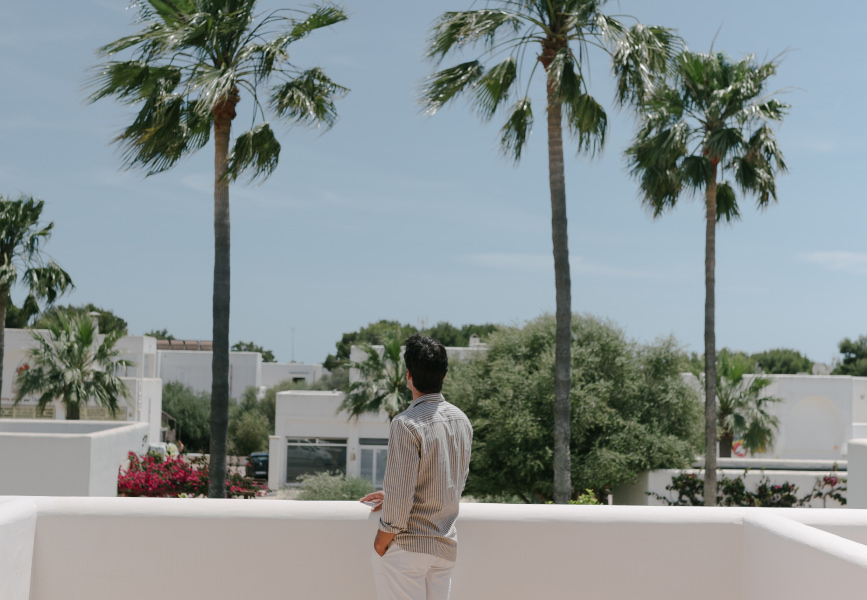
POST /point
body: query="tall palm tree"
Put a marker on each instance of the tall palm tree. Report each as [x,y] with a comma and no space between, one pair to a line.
[383,382]
[22,257]
[708,121]
[559,33]
[73,366]
[188,66]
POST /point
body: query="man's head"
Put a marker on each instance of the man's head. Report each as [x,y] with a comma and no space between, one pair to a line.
[427,363]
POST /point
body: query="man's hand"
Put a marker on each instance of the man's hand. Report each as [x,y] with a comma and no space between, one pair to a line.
[382,541]
[374,500]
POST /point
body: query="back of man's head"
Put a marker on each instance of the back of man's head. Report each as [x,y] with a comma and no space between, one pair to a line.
[427,362]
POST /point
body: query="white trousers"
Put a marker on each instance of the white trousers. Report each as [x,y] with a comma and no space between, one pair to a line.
[402,575]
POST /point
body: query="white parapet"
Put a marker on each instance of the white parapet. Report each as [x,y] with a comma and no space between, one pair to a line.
[322,550]
[17,534]
[857,474]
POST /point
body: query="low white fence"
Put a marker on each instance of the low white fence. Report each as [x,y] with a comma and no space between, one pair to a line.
[227,549]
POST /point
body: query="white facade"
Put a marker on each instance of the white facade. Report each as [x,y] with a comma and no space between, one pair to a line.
[193,368]
[311,435]
[274,373]
[65,458]
[322,550]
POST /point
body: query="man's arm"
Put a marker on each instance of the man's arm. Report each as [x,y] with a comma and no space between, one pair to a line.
[401,475]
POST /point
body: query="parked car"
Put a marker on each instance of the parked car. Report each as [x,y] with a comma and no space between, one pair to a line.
[257,465]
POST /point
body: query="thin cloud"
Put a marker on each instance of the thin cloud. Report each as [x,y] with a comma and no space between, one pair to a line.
[846,262]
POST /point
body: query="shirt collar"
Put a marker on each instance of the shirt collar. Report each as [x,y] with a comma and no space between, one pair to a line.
[437,397]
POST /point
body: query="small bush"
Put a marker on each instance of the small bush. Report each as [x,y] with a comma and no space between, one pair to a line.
[333,486]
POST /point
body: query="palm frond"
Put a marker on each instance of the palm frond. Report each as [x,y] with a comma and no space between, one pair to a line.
[726,204]
[456,29]
[642,58]
[308,99]
[492,88]
[587,123]
[256,152]
[442,87]
[515,133]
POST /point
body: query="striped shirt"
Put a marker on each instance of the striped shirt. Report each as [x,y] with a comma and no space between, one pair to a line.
[427,466]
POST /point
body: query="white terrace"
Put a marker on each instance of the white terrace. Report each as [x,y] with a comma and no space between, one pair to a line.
[142,548]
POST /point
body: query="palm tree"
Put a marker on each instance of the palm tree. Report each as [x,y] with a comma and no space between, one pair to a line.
[712,115]
[72,365]
[742,408]
[506,30]
[383,382]
[189,64]
[21,241]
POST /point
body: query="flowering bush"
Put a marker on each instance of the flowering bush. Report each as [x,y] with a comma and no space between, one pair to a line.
[154,476]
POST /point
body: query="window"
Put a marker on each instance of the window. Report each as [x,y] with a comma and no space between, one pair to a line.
[314,455]
[373,454]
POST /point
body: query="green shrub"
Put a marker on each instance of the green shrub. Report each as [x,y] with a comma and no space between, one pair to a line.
[333,486]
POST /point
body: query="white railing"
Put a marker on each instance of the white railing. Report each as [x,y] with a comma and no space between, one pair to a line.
[144,548]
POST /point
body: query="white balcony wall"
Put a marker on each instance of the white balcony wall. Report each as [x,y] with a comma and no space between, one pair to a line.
[65,458]
[322,550]
[17,534]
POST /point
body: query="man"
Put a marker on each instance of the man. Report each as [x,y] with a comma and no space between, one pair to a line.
[429,443]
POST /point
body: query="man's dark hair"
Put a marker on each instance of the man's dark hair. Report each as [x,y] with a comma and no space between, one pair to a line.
[427,362]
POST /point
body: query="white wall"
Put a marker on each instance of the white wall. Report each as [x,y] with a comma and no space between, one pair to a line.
[65,458]
[193,368]
[84,546]
[17,533]
[274,373]
[146,403]
[634,494]
[308,414]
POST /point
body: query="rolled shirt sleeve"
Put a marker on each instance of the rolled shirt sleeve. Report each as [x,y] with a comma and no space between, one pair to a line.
[401,474]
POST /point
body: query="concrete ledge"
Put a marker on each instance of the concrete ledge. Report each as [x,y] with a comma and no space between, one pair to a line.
[17,534]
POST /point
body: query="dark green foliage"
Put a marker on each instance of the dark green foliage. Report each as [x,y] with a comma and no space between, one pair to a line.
[377,334]
[267,355]
[249,427]
[733,492]
[333,486]
[108,321]
[193,414]
[782,361]
[18,318]
[854,357]
[631,410]
[160,334]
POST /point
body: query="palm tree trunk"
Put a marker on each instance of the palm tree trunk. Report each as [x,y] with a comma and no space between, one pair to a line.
[563,285]
[4,300]
[725,445]
[73,411]
[710,346]
[223,115]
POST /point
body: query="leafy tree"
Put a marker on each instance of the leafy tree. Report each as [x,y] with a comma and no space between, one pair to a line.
[248,431]
[383,382]
[160,334]
[711,115]
[267,355]
[188,65]
[742,407]
[782,361]
[632,410]
[22,258]
[560,33]
[372,334]
[449,335]
[192,411]
[68,365]
[18,318]
[854,357]
[108,321]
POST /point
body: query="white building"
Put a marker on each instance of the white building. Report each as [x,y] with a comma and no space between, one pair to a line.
[312,436]
[146,393]
[274,373]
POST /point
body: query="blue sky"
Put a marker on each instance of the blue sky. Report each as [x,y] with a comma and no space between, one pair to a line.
[395,215]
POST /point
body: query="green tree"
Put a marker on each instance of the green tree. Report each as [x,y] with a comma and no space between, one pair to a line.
[108,321]
[18,318]
[710,116]
[383,382]
[267,355]
[72,366]
[192,412]
[373,334]
[188,65]
[742,408]
[782,361]
[449,335]
[160,334]
[248,431]
[631,409]
[854,357]
[560,33]
[22,258]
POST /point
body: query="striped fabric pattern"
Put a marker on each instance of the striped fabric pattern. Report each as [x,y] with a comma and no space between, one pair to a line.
[425,473]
